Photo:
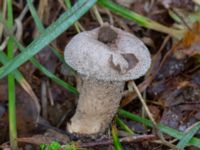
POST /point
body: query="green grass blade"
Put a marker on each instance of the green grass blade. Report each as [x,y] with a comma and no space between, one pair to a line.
[11,104]
[47,72]
[35,16]
[53,31]
[41,28]
[115,138]
[53,77]
[184,141]
[139,19]
[167,130]
[44,70]
[22,81]
[68,3]
[76,24]
[11,85]
[123,126]
[36,63]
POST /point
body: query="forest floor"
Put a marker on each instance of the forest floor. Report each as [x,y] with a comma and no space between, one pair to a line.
[42,88]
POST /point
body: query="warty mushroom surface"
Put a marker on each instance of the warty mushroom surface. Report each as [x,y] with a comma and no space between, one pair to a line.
[105,58]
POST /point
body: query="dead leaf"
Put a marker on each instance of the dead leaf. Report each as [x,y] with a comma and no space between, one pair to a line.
[190,45]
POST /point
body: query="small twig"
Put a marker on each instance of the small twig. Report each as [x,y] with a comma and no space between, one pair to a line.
[4,44]
[197,2]
[49,92]
[122,24]
[23,13]
[155,58]
[132,95]
[97,14]
[42,9]
[18,4]
[108,13]
[44,99]
[5,146]
[19,31]
[63,118]
[110,16]
[148,80]
[160,135]
[3,16]
[18,22]
[62,4]
[17,26]
[133,85]
[128,139]
[182,19]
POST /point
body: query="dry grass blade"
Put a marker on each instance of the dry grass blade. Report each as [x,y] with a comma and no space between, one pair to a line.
[159,133]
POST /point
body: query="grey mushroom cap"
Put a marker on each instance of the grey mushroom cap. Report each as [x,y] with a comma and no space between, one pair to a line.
[125,59]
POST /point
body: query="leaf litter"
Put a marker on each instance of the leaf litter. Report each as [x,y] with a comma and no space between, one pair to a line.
[172,91]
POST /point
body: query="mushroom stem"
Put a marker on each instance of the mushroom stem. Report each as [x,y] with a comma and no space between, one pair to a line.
[98,103]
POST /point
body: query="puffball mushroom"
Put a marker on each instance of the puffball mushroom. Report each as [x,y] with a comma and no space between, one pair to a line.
[105,58]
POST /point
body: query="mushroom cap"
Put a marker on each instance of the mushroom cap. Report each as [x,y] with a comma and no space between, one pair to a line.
[124,59]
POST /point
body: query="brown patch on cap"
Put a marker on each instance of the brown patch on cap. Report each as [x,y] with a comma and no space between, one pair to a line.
[131,59]
[107,35]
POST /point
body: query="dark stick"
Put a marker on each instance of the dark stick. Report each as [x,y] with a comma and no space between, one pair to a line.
[128,139]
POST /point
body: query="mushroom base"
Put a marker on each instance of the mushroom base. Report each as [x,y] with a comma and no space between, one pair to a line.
[97,105]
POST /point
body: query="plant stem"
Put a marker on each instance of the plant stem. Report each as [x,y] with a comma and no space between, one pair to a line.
[77,25]
[97,14]
[11,85]
[159,133]
[123,126]
[139,19]
[115,138]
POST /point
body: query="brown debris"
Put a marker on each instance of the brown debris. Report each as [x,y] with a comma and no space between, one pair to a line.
[171,87]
